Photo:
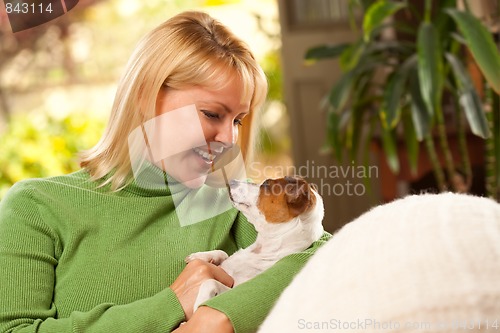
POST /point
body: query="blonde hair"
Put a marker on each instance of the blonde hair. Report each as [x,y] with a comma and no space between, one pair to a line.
[189,49]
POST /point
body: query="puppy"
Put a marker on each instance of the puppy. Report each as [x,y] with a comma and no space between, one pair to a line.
[287,214]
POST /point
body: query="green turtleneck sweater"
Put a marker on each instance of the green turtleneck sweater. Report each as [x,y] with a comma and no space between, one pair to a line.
[78,258]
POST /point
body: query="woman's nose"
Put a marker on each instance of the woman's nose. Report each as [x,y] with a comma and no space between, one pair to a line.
[227,134]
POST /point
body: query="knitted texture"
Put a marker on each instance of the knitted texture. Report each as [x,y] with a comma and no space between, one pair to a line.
[428,263]
[77,258]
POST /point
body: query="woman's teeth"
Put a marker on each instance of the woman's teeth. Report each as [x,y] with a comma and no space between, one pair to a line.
[206,156]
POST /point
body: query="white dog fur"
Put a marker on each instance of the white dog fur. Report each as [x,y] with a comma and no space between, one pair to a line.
[431,262]
[292,222]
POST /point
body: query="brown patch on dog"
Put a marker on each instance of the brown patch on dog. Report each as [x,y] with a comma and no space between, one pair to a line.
[283,199]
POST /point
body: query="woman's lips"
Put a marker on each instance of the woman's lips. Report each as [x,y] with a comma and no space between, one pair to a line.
[207,157]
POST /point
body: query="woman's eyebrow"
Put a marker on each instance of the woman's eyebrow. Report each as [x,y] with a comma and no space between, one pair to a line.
[224,106]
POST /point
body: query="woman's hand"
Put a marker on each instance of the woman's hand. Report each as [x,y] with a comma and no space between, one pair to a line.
[188,283]
[206,320]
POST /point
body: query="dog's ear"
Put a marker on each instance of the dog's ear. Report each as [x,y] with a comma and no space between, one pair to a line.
[295,191]
[299,197]
[294,178]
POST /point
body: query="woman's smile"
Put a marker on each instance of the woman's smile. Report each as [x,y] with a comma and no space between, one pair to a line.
[205,156]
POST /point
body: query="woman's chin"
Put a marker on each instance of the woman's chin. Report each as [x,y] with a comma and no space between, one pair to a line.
[187,168]
[192,179]
[194,183]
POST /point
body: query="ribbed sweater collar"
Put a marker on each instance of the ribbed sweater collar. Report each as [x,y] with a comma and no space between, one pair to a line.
[191,205]
[151,181]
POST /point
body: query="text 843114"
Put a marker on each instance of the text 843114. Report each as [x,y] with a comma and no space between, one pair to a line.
[28,8]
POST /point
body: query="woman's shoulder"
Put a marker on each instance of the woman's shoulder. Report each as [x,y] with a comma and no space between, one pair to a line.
[79,180]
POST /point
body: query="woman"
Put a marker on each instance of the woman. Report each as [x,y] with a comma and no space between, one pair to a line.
[102,249]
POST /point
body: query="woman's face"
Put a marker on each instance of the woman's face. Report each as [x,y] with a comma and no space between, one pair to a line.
[217,113]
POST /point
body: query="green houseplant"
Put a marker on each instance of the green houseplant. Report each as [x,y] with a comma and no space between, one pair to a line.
[399,87]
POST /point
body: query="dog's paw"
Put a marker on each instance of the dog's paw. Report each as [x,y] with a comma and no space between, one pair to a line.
[215,257]
[208,289]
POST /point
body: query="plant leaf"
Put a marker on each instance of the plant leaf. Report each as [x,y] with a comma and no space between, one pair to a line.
[410,137]
[363,3]
[351,55]
[403,48]
[420,115]
[377,13]
[444,23]
[495,118]
[368,140]
[430,66]
[481,44]
[394,92]
[339,94]
[325,51]
[469,99]
[333,134]
[390,149]
[356,130]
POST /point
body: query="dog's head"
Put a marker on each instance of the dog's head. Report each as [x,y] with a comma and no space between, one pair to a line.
[277,201]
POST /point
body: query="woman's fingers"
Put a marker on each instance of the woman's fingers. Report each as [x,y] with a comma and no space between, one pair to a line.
[205,270]
[220,275]
[188,283]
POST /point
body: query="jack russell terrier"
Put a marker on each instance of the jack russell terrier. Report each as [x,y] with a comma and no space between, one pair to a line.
[287,214]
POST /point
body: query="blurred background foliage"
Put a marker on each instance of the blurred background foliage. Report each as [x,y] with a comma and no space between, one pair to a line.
[57,81]
[42,145]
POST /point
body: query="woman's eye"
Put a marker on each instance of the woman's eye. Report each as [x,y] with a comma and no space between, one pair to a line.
[215,116]
[210,115]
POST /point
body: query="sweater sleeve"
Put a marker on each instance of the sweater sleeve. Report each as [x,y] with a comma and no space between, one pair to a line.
[28,261]
[248,304]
